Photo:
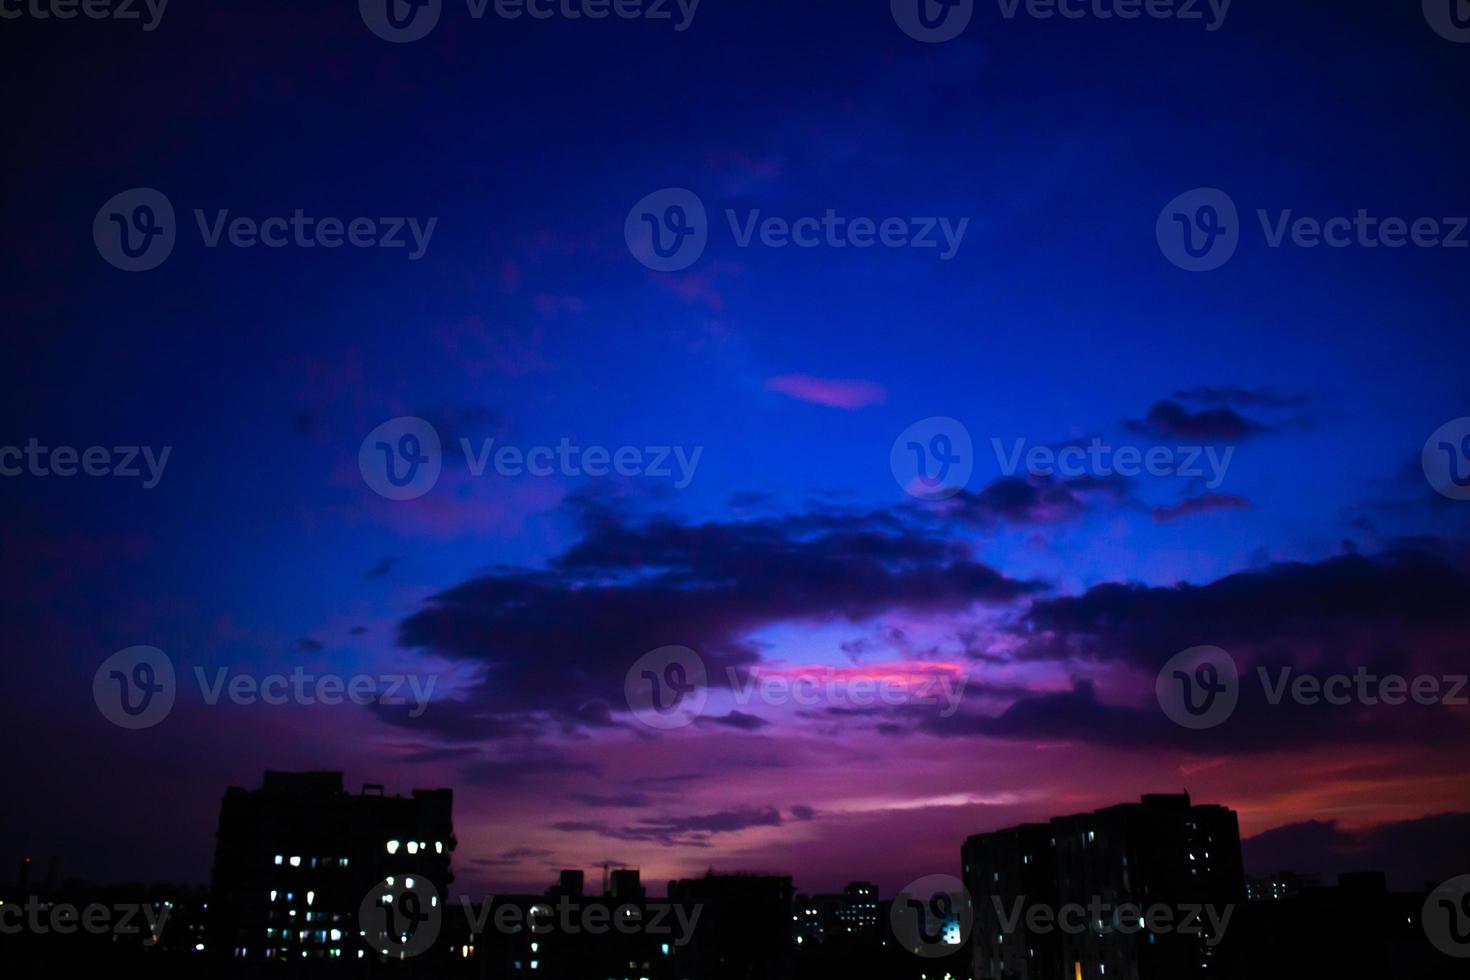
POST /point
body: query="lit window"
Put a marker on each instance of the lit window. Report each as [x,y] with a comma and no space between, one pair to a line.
[279,859]
[413,847]
[392,847]
[296,862]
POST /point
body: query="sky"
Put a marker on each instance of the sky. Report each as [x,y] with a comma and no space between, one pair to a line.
[792,542]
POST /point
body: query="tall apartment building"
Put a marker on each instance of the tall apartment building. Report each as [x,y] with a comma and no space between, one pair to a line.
[1161,853]
[746,928]
[295,859]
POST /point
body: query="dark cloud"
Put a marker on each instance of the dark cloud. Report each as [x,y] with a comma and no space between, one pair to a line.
[623,801]
[1245,397]
[1324,601]
[555,645]
[308,645]
[521,767]
[1203,504]
[422,754]
[1414,854]
[1032,500]
[1400,614]
[738,720]
[514,856]
[687,831]
[1170,420]
[382,568]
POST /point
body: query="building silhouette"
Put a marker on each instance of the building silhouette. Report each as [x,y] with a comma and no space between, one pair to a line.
[746,927]
[1162,851]
[295,859]
[568,935]
[853,914]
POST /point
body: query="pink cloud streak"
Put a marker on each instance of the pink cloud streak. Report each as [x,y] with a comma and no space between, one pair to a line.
[832,392]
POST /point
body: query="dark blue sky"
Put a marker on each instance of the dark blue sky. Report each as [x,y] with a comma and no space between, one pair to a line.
[528,319]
